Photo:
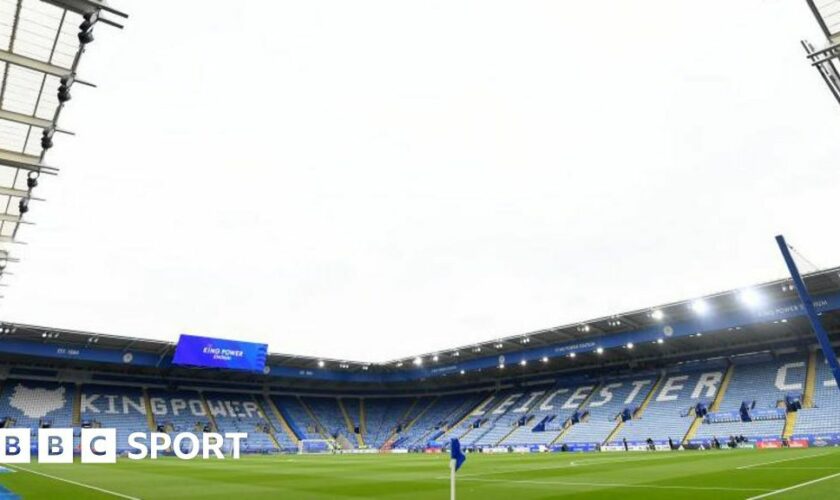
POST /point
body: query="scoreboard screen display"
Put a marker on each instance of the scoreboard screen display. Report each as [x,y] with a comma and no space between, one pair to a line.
[208,352]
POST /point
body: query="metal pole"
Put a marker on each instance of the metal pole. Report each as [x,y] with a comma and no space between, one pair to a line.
[816,324]
[452,479]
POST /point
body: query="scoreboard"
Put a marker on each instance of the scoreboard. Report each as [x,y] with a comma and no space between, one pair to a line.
[207,352]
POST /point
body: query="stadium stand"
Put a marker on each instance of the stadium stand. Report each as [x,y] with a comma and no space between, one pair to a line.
[329,415]
[682,386]
[382,417]
[759,386]
[824,416]
[573,415]
[544,420]
[178,411]
[303,422]
[121,408]
[242,413]
[671,411]
[605,408]
[440,414]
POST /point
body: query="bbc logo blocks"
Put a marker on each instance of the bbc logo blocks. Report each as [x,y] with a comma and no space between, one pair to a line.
[99,445]
[55,446]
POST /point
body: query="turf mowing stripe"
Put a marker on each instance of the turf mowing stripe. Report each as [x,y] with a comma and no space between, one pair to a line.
[624,485]
[780,461]
[795,486]
[83,485]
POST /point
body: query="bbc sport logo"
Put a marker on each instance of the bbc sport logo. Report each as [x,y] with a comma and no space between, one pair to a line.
[99,445]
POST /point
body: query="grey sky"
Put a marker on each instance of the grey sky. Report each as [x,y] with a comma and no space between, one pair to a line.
[373,179]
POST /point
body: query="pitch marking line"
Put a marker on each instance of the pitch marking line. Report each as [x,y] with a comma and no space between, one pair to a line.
[574,464]
[625,485]
[795,486]
[83,485]
[750,466]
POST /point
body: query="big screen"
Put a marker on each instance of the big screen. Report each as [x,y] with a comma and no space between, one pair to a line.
[220,353]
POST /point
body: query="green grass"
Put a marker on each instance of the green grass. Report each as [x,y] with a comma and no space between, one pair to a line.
[690,474]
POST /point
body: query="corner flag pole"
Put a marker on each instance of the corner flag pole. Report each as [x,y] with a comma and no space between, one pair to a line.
[816,324]
[457,459]
[452,479]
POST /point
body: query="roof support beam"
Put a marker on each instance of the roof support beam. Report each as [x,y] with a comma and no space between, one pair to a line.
[87,6]
[24,162]
[33,121]
[20,193]
[33,64]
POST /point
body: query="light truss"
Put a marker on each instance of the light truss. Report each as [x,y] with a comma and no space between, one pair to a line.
[41,44]
[826,59]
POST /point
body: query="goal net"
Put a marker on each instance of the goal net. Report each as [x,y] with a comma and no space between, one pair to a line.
[315,446]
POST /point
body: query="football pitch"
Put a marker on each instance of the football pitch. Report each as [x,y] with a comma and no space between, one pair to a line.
[742,474]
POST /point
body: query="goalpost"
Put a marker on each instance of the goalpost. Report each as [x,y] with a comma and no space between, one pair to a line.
[315,446]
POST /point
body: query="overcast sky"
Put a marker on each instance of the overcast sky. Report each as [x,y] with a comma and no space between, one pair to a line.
[373,179]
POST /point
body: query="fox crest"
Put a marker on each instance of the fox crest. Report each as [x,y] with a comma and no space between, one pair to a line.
[38,402]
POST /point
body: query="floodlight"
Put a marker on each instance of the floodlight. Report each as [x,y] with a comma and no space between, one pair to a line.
[600,350]
[750,297]
[700,307]
[657,314]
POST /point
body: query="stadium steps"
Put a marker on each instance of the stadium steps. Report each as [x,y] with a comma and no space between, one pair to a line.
[548,393]
[430,431]
[271,429]
[790,424]
[579,408]
[715,406]
[390,439]
[349,424]
[311,414]
[362,418]
[150,416]
[512,430]
[469,412]
[210,417]
[724,385]
[491,420]
[77,406]
[810,380]
[463,436]
[283,423]
[639,411]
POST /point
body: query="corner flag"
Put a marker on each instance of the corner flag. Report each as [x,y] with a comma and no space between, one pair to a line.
[457,459]
[457,455]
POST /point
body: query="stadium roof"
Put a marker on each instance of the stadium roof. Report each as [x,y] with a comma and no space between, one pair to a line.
[41,44]
[759,318]
[827,59]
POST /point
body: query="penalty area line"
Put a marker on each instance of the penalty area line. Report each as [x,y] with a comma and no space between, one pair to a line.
[750,466]
[76,483]
[795,486]
[620,485]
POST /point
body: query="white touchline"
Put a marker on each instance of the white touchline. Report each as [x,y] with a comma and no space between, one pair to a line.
[780,461]
[83,485]
[618,485]
[795,486]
